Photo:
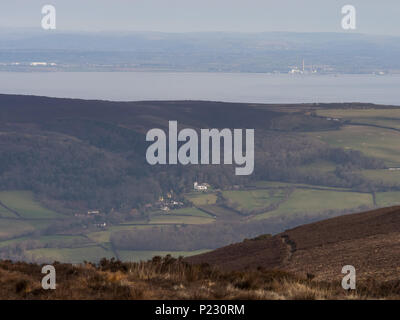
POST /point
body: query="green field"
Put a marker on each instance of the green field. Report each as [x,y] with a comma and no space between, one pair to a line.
[73,255]
[194,212]
[270,184]
[254,199]
[362,115]
[11,228]
[384,175]
[359,113]
[171,219]
[389,118]
[56,240]
[320,166]
[104,236]
[311,202]
[387,199]
[100,236]
[201,199]
[25,204]
[389,123]
[374,142]
[62,240]
[275,184]
[4,213]
[14,228]
[221,213]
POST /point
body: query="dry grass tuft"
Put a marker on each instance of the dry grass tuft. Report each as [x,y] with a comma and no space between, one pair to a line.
[169,278]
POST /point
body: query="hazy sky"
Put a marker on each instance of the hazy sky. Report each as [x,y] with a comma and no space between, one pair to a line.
[373,16]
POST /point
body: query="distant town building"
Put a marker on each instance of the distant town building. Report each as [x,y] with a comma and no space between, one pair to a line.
[42,64]
[303,69]
[37,64]
[295,70]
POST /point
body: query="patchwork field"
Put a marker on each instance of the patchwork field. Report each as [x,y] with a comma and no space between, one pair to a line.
[21,215]
[309,202]
[182,219]
[26,206]
[387,176]
[71,255]
[104,236]
[254,199]
[221,213]
[14,228]
[381,117]
[356,113]
[374,142]
[388,199]
[275,184]
[190,212]
[5,213]
[292,200]
[200,199]
[321,166]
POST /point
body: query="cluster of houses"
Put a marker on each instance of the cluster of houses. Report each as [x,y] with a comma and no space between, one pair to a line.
[101,225]
[164,204]
[168,203]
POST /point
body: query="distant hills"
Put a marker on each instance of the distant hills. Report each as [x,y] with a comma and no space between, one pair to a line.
[369,241]
[213,52]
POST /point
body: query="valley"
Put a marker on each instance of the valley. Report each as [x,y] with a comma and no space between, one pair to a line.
[312,162]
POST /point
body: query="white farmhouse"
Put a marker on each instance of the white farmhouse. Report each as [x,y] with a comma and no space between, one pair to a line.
[200,187]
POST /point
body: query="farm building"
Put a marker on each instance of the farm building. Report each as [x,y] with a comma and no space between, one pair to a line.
[200,187]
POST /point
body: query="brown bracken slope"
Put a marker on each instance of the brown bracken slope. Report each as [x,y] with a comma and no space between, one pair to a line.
[369,241]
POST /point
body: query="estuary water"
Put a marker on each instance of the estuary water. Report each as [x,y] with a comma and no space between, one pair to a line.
[232,87]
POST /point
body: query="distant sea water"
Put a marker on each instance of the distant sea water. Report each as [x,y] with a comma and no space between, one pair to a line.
[232,87]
